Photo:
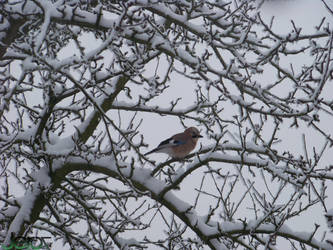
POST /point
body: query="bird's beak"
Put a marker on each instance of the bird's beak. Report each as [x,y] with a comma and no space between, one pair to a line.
[199,136]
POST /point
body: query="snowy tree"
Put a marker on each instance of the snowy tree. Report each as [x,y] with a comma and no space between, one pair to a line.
[88,87]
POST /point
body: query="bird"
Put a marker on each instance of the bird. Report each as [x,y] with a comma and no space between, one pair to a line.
[179,145]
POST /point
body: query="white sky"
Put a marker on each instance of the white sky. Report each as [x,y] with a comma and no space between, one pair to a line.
[305,13]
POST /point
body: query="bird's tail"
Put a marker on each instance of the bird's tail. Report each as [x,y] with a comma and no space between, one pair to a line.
[152,151]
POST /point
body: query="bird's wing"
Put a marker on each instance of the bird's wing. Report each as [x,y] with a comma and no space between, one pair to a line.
[171,142]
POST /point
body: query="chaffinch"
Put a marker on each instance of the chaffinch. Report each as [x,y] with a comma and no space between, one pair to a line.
[179,145]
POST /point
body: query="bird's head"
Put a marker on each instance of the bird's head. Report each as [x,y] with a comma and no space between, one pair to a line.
[194,132]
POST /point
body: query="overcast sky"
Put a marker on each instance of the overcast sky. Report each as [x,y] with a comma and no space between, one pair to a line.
[305,13]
